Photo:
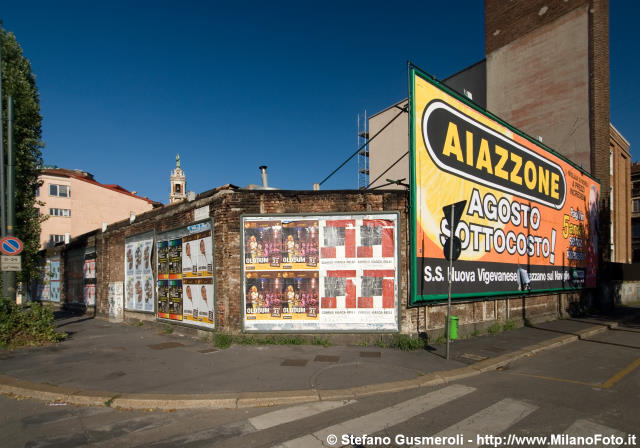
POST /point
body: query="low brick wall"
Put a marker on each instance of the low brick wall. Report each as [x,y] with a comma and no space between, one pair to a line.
[227,205]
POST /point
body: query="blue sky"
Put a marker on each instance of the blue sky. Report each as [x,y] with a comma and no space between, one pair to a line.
[124,86]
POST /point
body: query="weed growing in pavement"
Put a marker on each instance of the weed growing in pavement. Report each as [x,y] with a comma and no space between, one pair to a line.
[495,328]
[441,340]
[509,325]
[321,341]
[222,340]
[408,343]
[168,329]
[139,323]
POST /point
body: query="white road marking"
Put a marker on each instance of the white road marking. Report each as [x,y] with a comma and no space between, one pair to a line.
[384,418]
[293,413]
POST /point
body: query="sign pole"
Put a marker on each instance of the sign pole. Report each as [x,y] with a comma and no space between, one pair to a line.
[451,230]
[9,278]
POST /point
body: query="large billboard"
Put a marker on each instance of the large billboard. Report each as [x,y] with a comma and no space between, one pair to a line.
[524,218]
[320,272]
[185,276]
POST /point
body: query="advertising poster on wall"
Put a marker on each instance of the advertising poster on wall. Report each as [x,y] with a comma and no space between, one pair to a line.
[54,282]
[332,273]
[116,301]
[89,276]
[139,283]
[524,218]
[185,276]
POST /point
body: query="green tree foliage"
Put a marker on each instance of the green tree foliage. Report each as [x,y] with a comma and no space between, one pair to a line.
[20,83]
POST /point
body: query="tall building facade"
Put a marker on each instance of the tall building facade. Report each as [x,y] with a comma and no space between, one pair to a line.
[546,73]
[76,203]
[635,212]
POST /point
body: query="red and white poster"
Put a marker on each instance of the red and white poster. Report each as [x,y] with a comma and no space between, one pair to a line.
[321,273]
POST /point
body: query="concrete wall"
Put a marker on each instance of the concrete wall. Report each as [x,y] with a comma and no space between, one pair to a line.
[389,146]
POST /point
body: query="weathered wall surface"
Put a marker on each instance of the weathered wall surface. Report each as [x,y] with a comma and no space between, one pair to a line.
[227,205]
[540,83]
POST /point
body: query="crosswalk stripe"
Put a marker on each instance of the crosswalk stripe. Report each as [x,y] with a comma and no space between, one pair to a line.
[587,428]
[293,413]
[384,418]
[493,420]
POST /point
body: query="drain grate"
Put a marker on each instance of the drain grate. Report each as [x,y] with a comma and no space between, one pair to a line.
[165,345]
[295,362]
[326,358]
[370,354]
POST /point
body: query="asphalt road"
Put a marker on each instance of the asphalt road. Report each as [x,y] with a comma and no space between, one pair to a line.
[583,389]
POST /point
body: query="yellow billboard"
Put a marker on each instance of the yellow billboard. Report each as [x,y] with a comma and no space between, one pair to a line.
[526,217]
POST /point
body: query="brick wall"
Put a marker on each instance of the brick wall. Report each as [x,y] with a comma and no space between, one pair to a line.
[226,207]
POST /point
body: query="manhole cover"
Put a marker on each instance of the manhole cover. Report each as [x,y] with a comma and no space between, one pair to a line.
[165,345]
[370,354]
[326,358]
[295,362]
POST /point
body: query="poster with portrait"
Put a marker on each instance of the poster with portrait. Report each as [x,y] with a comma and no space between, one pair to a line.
[89,276]
[335,272]
[185,279]
[139,284]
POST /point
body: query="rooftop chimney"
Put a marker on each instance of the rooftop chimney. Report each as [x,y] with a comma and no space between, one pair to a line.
[263,171]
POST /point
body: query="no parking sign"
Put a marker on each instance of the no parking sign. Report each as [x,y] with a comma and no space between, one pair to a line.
[11,245]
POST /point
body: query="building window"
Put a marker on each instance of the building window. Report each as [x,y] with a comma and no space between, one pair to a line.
[611,163]
[636,205]
[62,191]
[59,212]
[177,188]
[635,230]
[53,239]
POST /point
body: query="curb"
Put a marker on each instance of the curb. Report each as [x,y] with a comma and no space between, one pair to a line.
[44,392]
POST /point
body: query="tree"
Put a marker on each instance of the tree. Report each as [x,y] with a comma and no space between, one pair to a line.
[20,83]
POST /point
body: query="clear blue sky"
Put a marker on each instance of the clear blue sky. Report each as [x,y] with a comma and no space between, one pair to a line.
[124,86]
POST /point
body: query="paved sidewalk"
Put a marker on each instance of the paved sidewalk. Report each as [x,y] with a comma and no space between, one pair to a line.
[141,367]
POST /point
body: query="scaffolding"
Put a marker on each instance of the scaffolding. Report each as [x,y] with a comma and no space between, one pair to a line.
[363,154]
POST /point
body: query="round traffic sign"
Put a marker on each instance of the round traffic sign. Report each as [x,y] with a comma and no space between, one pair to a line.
[10,245]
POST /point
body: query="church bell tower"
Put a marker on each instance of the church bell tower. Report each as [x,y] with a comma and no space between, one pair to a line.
[178,183]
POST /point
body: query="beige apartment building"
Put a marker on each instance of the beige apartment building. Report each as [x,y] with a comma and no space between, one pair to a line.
[76,203]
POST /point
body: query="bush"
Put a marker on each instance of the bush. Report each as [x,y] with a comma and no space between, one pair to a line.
[31,326]
[495,328]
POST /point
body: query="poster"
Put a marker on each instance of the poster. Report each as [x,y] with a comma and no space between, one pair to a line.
[116,301]
[139,284]
[89,276]
[54,282]
[525,219]
[320,273]
[185,276]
